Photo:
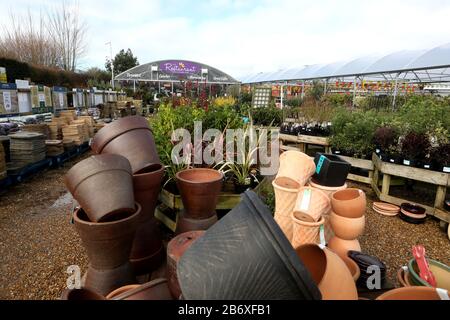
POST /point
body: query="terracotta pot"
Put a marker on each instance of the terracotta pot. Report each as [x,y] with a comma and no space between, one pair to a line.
[440,271]
[313,203]
[412,293]
[403,277]
[350,203]
[108,246]
[328,190]
[353,267]
[175,250]
[286,193]
[329,272]
[130,137]
[153,290]
[81,294]
[342,247]
[305,232]
[297,166]
[199,189]
[96,184]
[185,224]
[147,252]
[245,255]
[347,228]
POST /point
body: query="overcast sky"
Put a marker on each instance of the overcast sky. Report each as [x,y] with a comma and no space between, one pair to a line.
[245,36]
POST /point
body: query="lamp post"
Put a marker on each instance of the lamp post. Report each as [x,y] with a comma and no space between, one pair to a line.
[112,63]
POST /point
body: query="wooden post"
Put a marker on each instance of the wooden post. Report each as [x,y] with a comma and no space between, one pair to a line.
[386,184]
[440,197]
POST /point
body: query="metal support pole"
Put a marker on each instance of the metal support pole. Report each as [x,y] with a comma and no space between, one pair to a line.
[303,89]
[281,95]
[134,86]
[395,93]
[325,87]
[172,87]
[354,92]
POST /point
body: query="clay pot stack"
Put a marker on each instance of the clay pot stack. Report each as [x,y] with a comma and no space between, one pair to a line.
[412,213]
[347,220]
[132,138]
[295,170]
[386,209]
[199,189]
[107,220]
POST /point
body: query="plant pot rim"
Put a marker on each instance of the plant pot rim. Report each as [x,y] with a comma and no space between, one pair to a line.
[292,190]
[354,264]
[417,277]
[359,191]
[159,165]
[306,223]
[121,290]
[413,215]
[319,186]
[116,128]
[219,175]
[94,295]
[140,288]
[407,206]
[347,219]
[386,295]
[107,223]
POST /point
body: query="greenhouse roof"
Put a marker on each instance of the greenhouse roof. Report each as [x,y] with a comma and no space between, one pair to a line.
[416,66]
[176,71]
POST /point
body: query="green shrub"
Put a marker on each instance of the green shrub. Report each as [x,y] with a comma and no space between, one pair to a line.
[266,116]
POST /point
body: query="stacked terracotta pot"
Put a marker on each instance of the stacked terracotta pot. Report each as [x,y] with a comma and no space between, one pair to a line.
[299,209]
[132,138]
[107,219]
[347,220]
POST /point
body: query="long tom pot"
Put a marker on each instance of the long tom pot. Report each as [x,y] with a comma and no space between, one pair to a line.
[199,189]
[103,187]
[154,290]
[103,281]
[286,193]
[130,137]
[185,224]
[147,250]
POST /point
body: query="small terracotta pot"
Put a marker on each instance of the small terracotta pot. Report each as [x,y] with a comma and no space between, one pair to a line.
[175,250]
[81,294]
[147,252]
[353,267]
[411,293]
[199,189]
[402,277]
[286,193]
[342,247]
[130,137]
[305,232]
[297,166]
[350,203]
[329,272]
[153,290]
[96,184]
[103,281]
[347,228]
[313,203]
[328,190]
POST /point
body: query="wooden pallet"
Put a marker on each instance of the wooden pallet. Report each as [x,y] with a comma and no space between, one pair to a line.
[440,179]
[301,142]
[361,164]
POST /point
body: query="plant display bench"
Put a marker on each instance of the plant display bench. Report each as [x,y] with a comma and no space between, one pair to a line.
[439,179]
[171,204]
[360,164]
[301,142]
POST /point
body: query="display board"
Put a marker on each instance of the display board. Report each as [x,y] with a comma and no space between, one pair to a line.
[24,95]
[8,98]
[3,77]
[261,97]
[41,99]
[59,95]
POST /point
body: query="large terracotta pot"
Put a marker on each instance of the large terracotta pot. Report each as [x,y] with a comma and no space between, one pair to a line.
[311,204]
[175,250]
[199,189]
[153,290]
[147,252]
[130,137]
[328,190]
[103,186]
[108,246]
[342,247]
[245,255]
[297,166]
[329,272]
[353,267]
[286,193]
[347,228]
[81,294]
[305,232]
[414,293]
[350,203]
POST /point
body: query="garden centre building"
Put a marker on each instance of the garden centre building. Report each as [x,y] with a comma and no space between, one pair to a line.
[174,75]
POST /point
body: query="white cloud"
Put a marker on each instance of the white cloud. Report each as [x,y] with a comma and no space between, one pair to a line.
[240,37]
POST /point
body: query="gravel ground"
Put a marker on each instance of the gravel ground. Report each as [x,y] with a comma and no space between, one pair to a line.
[38,243]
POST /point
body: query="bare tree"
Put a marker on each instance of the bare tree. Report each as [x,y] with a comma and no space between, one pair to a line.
[68,31]
[54,39]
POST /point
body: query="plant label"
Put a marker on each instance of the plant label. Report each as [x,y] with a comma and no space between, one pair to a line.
[306,200]
[406,162]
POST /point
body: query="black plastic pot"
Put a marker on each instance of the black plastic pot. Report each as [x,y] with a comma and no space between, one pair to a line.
[395,159]
[331,170]
[410,219]
[245,256]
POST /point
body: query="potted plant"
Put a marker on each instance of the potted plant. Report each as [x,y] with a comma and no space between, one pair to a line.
[440,156]
[415,147]
[385,139]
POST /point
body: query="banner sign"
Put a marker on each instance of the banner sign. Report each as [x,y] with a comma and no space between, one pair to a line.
[179,67]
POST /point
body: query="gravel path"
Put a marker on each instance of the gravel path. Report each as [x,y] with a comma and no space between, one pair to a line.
[38,243]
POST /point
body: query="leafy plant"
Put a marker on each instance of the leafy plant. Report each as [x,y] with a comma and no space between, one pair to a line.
[266,116]
[441,155]
[415,146]
[386,137]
